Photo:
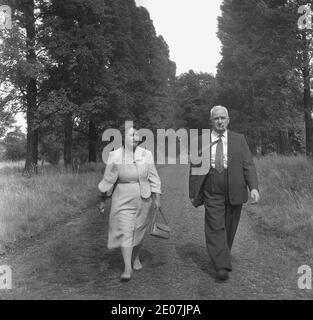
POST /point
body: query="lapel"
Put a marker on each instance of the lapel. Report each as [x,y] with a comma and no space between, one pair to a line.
[230,147]
[118,155]
[139,158]
[206,155]
[208,161]
[139,154]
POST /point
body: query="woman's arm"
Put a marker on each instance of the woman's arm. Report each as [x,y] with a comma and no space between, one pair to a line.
[153,177]
[110,176]
[155,182]
[102,197]
[106,185]
[156,197]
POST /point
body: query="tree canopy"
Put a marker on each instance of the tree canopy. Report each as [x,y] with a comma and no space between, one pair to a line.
[78,67]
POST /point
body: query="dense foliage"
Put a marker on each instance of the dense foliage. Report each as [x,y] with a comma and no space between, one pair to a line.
[78,67]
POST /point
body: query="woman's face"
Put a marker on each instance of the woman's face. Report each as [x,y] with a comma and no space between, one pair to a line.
[131,138]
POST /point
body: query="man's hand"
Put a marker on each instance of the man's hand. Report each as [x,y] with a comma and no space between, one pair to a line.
[102,207]
[255,196]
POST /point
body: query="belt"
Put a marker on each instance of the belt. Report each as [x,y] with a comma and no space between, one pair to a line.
[213,169]
[124,182]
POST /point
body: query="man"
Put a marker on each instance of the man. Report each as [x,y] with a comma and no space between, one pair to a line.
[223,189]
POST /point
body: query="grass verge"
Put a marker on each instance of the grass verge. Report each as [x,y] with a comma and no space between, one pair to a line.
[30,205]
[286,206]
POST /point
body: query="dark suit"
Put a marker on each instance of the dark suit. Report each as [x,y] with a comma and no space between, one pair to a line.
[223,195]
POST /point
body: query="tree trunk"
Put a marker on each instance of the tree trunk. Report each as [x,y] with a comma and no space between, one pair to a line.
[92,135]
[31,99]
[308,116]
[68,137]
[283,143]
[307,103]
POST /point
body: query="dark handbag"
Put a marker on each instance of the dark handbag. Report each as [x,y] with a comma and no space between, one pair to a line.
[158,229]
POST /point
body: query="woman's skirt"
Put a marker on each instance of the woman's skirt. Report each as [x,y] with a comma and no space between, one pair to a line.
[130,216]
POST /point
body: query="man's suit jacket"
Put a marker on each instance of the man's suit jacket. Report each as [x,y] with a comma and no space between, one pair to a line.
[241,172]
[149,179]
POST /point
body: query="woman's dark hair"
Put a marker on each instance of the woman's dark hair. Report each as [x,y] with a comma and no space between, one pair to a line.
[128,124]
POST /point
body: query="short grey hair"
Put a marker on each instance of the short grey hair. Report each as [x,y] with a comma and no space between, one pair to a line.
[218,107]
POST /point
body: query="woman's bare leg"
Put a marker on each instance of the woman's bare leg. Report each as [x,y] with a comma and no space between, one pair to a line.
[127,256]
[137,264]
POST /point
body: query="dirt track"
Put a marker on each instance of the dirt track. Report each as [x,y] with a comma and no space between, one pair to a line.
[72,262]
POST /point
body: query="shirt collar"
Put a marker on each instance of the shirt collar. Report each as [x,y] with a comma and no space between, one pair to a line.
[215,135]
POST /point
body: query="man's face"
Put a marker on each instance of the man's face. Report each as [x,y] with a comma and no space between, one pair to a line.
[219,120]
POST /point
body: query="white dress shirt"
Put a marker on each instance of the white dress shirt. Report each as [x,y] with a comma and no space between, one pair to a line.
[215,137]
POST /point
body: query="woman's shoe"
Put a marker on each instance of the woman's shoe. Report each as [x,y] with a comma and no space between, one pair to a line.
[137,265]
[126,276]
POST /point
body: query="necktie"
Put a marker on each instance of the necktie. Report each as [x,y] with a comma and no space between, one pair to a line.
[219,164]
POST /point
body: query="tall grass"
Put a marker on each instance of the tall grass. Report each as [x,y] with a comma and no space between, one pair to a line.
[30,205]
[11,167]
[286,206]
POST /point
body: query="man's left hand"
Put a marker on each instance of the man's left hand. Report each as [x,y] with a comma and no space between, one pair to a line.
[255,196]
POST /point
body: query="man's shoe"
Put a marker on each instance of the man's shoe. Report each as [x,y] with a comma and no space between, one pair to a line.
[222,274]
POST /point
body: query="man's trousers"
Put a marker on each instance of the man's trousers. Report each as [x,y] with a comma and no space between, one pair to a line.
[221,219]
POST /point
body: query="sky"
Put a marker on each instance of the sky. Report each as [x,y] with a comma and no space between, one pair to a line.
[189,28]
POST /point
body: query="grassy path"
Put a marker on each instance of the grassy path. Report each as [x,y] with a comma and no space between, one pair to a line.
[72,262]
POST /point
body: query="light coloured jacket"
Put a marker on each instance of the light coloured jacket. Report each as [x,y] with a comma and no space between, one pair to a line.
[149,179]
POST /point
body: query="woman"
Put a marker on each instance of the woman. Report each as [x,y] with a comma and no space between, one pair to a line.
[131,176]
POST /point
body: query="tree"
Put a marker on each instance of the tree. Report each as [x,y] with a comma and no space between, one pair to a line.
[15,145]
[109,66]
[77,67]
[6,122]
[21,69]
[75,43]
[195,94]
[257,74]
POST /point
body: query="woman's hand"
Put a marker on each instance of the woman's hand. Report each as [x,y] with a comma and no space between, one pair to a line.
[102,207]
[157,201]
[102,197]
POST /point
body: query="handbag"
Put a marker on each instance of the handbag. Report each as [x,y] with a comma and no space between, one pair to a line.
[158,229]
